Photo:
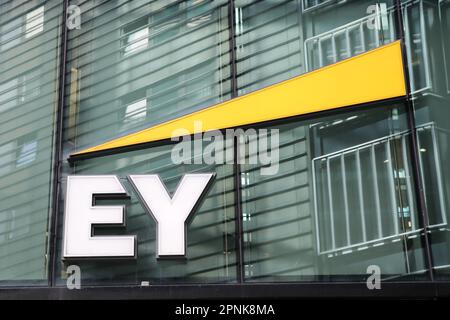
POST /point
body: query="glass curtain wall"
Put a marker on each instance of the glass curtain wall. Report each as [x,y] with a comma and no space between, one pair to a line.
[137,63]
[342,201]
[131,65]
[426,25]
[343,198]
[29,50]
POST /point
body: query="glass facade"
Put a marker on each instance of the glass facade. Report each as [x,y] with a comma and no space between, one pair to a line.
[426,27]
[29,63]
[362,186]
[341,202]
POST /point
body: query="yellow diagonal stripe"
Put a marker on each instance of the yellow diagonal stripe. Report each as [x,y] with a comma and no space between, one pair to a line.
[371,76]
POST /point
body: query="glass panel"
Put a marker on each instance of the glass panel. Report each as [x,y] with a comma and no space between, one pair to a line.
[277,40]
[427,43]
[34,22]
[340,202]
[29,49]
[210,236]
[134,64]
[173,54]
[343,195]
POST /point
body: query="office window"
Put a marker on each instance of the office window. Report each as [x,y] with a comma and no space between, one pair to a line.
[10,35]
[7,157]
[134,113]
[19,29]
[167,23]
[9,94]
[29,60]
[135,37]
[34,22]
[20,90]
[146,63]
[277,40]
[31,85]
[342,200]
[14,224]
[181,68]
[20,223]
[27,150]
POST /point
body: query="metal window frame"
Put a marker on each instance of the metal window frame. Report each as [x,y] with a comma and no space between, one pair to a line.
[424,46]
[414,150]
[355,151]
[445,24]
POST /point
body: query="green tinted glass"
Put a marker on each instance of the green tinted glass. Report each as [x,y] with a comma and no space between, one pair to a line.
[29,49]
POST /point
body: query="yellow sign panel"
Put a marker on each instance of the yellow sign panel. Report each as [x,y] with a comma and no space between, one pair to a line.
[371,76]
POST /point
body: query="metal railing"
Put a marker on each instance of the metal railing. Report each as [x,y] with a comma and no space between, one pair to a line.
[371,32]
[364,195]
[350,39]
[416,39]
[310,5]
[436,191]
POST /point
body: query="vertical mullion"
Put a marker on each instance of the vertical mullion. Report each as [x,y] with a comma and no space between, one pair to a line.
[237,169]
[58,150]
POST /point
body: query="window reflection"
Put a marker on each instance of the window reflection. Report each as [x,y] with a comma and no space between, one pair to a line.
[27,26]
[135,113]
[34,22]
[27,150]
[343,199]
[135,36]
